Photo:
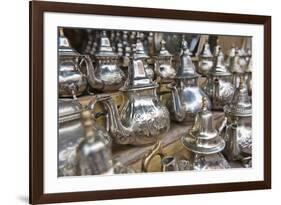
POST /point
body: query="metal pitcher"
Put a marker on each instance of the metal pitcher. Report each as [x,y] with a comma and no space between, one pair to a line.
[143,118]
[186,97]
[72,82]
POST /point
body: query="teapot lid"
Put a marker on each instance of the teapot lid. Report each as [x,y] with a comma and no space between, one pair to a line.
[64,46]
[187,68]
[219,68]
[69,109]
[206,52]
[241,104]
[137,77]
[105,49]
[140,52]
[163,51]
[203,138]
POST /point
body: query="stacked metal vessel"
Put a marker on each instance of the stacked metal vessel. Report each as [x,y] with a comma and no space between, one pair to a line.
[135,66]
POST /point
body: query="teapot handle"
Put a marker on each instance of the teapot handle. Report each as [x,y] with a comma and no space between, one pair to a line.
[156,150]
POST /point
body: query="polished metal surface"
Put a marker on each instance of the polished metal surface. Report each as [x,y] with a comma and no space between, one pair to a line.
[164,67]
[72,82]
[142,54]
[238,132]
[219,85]
[186,95]
[205,60]
[106,75]
[143,118]
[203,138]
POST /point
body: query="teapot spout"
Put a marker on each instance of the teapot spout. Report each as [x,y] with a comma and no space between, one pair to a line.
[119,133]
[92,79]
[179,113]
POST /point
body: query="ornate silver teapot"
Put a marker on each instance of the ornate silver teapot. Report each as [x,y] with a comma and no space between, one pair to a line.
[142,118]
[205,142]
[141,54]
[164,67]
[219,85]
[72,82]
[71,134]
[186,97]
[238,132]
[205,60]
[106,75]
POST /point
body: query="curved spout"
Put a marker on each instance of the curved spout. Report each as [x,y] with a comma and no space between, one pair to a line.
[179,112]
[120,133]
[92,79]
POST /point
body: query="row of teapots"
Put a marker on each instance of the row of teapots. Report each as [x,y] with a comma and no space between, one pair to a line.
[105,73]
[85,148]
[144,119]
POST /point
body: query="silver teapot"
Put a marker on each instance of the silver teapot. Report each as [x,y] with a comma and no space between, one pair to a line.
[72,82]
[142,119]
[219,85]
[186,97]
[164,67]
[142,54]
[71,135]
[106,75]
[238,132]
[205,142]
[205,60]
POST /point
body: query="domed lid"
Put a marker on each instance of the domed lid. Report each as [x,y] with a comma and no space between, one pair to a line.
[69,109]
[137,77]
[105,49]
[140,52]
[206,52]
[235,66]
[241,104]
[163,51]
[203,138]
[219,68]
[64,47]
[187,68]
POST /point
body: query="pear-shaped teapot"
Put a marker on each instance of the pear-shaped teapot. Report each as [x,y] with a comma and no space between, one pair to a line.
[238,132]
[143,118]
[205,60]
[164,67]
[72,82]
[186,97]
[106,75]
[219,85]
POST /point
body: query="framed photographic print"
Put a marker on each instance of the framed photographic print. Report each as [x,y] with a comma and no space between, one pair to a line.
[136,102]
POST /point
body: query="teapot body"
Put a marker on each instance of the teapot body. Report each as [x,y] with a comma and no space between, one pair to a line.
[145,115]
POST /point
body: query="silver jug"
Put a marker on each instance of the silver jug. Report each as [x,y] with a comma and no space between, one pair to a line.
[238,132]
[72,82]
[142,119]
[142,54]
[106,75]
[186,97]
[205,60]
[164,67]
[204,141]
[71,134]
[219,85]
